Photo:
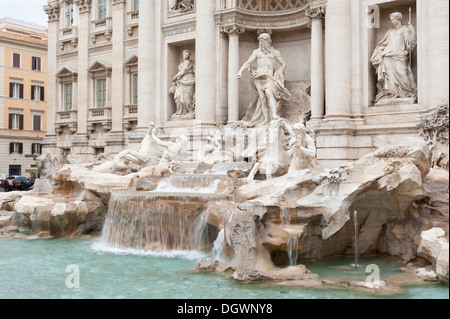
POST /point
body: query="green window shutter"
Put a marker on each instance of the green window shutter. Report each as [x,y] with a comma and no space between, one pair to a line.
[68,97]
[101,92]
[135,89]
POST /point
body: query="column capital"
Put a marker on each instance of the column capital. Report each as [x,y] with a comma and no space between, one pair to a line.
[316,13]
[233,30]
[83,5]
[52,10]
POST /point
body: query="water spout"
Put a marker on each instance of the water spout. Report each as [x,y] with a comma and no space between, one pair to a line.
[355,238]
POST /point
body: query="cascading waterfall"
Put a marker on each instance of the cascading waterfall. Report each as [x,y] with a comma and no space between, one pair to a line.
[172,217]
[292,242]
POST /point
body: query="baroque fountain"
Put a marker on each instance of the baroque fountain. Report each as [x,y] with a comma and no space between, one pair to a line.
[254,196]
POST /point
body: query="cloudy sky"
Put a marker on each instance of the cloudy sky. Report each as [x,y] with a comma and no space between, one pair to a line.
[27,10]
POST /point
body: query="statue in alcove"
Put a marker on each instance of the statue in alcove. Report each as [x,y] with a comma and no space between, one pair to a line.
[267,82]
[183,89]
[180,6]
[392,61]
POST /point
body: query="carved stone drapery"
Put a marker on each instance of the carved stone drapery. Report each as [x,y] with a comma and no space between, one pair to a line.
[83,5]
[52,10]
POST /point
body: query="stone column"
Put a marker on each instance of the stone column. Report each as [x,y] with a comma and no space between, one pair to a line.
[205,73]
[338,60]
[317,63]
[146,68]
[84,7]
[233,69]
[118,57]
[438,51]
[52,11]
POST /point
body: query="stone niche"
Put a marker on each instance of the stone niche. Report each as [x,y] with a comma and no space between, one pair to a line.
[295,48]
[174,59]
[377,34]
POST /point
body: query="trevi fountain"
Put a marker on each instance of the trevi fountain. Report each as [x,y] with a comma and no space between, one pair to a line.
[250,211]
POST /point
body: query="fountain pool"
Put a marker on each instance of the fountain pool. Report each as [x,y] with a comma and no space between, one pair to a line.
[36,268]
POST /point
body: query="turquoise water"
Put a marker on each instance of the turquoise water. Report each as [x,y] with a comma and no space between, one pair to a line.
[36,268]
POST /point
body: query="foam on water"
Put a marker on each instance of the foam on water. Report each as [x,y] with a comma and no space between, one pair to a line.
[100,246]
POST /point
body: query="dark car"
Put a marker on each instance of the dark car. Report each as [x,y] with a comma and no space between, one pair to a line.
[18,182]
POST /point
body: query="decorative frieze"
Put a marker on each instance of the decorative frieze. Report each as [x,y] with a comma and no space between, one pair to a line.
[52,10]
[271,5]
[179,28]
[256,21]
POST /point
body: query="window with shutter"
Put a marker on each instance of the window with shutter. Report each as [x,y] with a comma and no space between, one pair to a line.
[20,121]
[67,96]
[15,122]
[135,89]
[16,60]
[69,13]
[16,90]
[37,122]
[42,93]
[101,93]
[36,63]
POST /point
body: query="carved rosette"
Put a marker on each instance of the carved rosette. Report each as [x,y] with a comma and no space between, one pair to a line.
[52,10]
[83,5]
[315,13]
[233,30]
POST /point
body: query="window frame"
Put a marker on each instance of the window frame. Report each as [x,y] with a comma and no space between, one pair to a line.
[20,60]
[40,122]
[105,92]
[68,14]
[36,58]
[65,100]
[16,119]
[134,88]
[100,4]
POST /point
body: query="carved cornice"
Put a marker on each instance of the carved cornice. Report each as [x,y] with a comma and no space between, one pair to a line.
[179,28]
[253,20]
[119,1]
[83,5]
[233,30]
[52,10]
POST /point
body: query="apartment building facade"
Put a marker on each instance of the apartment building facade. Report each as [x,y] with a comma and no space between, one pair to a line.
[23,107]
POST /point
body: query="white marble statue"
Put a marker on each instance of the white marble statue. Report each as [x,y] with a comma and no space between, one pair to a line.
[215,139]
[175,151]
[274,159]
[146,155]
[180,6]
[267,82]
[302,148]
[183,88]
[392,61]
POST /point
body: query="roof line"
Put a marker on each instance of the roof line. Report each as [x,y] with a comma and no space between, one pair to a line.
[24,23]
